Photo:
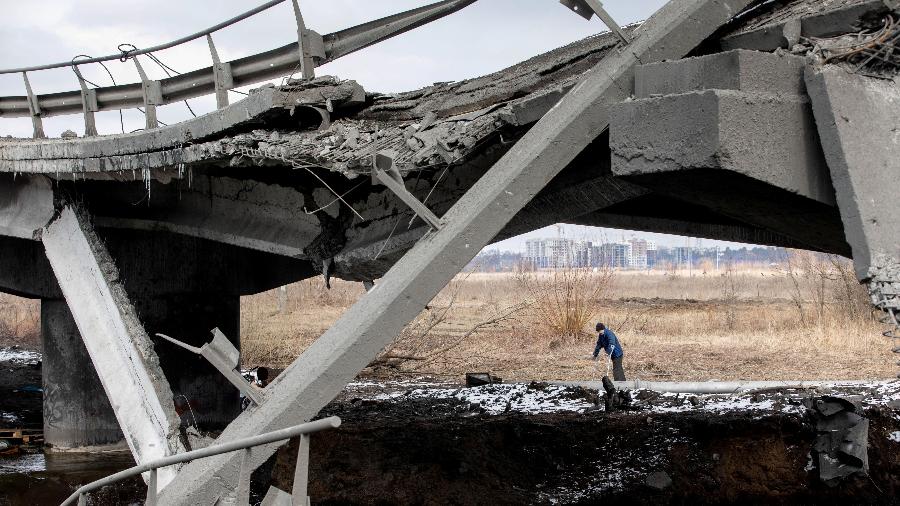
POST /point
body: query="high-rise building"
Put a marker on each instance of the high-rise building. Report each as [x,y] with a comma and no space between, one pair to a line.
[615,255]
[536,253]
[638,257]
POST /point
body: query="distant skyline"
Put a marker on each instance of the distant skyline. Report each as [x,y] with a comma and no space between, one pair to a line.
[581,232]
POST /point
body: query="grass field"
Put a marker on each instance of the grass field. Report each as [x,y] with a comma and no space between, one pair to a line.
[754,324]
[807,320]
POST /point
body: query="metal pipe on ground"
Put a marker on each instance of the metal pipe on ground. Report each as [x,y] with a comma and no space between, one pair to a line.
[716,387]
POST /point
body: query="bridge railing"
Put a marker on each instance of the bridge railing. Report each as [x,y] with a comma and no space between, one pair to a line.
[301,470]
[310,50]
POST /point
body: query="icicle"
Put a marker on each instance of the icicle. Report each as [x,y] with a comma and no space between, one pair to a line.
[147,179]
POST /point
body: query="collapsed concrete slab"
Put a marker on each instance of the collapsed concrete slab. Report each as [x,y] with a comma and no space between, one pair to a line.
[733,132]
[858,119]
[119,347]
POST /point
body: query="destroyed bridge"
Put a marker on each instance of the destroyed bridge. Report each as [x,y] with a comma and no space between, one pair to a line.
[767,122]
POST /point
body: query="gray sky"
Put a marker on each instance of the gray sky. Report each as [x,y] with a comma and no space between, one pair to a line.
[484,37]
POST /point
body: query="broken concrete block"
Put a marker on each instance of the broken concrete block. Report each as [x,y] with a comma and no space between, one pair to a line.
[747,71]
[659,480]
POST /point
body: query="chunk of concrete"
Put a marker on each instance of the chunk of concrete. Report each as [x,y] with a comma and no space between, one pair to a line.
[858,120]
[659,480]
[770,138]
[747,71]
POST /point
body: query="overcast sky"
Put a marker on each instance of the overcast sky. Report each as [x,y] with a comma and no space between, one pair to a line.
[482,38]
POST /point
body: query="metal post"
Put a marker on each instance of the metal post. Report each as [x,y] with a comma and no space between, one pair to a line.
[243,486]
[384,172]
[222,76]
[152,96]
[604,16]
[151,489]
[88,103]
[301,474]
[587,9]
[307,67]
[35,110]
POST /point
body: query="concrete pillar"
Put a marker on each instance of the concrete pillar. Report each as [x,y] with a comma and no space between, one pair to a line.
[77,413]
[203,397]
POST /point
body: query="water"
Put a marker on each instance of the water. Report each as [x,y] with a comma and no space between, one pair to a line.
[34,479]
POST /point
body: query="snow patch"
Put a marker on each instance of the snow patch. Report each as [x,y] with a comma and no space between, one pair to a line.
[894,436]
[502,398]
[19,356]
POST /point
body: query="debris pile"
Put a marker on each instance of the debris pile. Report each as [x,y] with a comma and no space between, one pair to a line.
[841,446]
[870,52]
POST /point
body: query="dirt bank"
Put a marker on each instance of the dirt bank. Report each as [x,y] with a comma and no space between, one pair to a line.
[433,449]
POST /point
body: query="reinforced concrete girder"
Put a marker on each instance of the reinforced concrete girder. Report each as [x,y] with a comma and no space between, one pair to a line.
[26,206]
[745,145]
[858,119]
[345,349]
[120,349]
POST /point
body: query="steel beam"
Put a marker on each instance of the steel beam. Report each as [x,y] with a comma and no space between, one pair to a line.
[356,338]
[118,346]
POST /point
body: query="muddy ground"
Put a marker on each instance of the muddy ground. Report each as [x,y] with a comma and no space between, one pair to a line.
[419,442]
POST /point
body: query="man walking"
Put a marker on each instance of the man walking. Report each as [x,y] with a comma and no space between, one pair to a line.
[608,341]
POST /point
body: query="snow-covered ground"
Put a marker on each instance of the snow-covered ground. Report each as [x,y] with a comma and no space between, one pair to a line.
[19,356]
[547,398]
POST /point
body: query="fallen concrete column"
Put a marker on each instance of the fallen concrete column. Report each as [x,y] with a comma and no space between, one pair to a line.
[855,114]
[357,337]
[119,347]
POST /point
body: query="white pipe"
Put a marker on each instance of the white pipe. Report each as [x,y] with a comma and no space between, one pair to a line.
[716,387]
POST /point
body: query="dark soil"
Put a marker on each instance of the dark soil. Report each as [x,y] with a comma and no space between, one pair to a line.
[415,450]
[443,452]
[20,395]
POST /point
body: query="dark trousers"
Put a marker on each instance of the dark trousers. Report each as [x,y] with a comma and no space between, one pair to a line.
[618,370]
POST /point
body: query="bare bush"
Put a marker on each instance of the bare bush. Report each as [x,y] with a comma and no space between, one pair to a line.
[565,300]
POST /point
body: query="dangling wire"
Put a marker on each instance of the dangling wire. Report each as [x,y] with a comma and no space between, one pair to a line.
[126,55]
[113,79]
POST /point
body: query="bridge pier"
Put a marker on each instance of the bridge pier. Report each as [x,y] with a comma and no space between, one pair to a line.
[77,413]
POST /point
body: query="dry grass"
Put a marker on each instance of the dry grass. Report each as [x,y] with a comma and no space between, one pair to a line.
[20,321]
[803,321]
[747,324]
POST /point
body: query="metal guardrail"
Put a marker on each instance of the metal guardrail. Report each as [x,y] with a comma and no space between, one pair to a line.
[301,471]
[310,50]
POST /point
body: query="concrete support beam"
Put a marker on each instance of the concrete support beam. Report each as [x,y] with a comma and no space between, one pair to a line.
[858,119]
[333,360]
[119,347]
[77,413]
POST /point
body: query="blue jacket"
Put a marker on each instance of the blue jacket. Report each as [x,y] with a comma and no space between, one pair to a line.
[610,343]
